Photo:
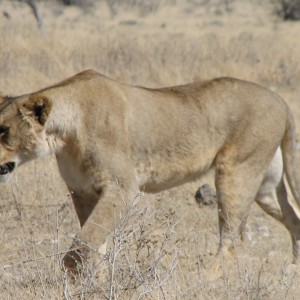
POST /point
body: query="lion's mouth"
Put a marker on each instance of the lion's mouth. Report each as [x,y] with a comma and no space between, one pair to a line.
[7,168]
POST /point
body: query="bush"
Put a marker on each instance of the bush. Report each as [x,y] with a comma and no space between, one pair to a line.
[289,9]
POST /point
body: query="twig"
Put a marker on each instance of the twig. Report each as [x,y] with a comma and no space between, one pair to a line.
[36,14]
[112,284]
[16,202]
[258,281]
[66,287]
[37,258]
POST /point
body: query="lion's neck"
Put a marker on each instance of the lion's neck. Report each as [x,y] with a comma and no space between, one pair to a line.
[63,125]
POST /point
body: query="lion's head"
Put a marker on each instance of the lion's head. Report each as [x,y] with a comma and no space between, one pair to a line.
[22,134]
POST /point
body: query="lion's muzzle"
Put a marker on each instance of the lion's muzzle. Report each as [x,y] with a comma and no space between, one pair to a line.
[7,168]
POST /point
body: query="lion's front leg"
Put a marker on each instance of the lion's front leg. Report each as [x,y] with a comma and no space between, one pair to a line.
[98,217]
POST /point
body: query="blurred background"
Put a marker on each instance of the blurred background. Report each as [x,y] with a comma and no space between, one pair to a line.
[152,43]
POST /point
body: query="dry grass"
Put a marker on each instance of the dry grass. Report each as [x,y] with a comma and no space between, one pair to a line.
[148,257]
[161,248]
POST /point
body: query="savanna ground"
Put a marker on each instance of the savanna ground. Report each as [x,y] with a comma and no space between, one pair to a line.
[160,250]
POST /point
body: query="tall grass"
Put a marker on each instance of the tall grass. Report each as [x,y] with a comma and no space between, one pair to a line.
[148,257]
[148,60]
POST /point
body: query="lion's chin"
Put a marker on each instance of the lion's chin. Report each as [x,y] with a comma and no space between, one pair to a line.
[7,168]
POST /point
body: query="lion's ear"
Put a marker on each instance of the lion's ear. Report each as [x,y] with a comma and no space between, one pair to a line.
[39,107]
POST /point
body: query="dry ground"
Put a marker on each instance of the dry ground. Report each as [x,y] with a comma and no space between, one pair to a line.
[161,248]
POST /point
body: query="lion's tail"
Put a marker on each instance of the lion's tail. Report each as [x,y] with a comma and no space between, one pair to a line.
[289,154]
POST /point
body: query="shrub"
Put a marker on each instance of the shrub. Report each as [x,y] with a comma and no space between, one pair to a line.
[289,9]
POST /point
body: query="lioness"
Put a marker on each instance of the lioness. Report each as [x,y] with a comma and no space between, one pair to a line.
[112,140]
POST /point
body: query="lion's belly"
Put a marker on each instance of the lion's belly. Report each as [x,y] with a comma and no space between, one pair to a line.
[154,176]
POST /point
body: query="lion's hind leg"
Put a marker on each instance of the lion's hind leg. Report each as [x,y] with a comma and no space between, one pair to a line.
[274,201]
[236,190]
[237,185]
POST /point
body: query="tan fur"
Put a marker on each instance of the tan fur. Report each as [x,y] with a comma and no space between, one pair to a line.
[112,140]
